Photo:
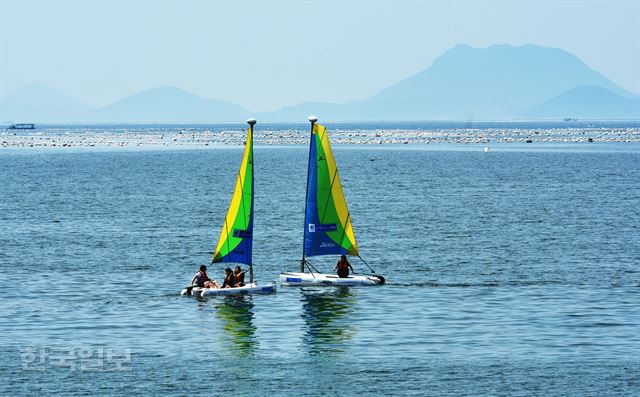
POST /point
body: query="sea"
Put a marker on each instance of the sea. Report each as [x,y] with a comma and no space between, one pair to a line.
[511,271]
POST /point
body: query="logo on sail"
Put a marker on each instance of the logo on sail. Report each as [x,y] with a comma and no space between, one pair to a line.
[322,228]
[242,233]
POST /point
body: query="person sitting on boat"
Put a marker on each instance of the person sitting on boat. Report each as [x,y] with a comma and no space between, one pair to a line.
[229,279]
[202,280]
[343,267]
[238,274]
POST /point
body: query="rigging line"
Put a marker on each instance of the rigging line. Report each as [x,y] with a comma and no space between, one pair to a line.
[228,242]
[326,206]
[344,229]
[336,175]
[320,137]
[330,192]
[226,224]
[344,226]
[365,262]
[225,230]
[332,179]
[311,268]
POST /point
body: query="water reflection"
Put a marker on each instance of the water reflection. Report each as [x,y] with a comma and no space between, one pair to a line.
[328,314]
[239,331]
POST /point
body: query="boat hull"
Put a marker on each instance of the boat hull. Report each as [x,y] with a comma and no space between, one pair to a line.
[247,289]
[319,279]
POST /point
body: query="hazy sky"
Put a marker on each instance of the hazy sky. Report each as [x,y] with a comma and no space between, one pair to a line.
[268,54]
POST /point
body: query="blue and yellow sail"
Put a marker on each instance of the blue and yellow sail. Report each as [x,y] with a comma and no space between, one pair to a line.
[328,229]
[236,237]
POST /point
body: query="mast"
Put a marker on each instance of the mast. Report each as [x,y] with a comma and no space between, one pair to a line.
[312,120]
[251,123]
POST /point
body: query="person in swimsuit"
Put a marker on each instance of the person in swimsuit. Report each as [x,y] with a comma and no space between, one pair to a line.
[343,267]
[229,279]
[202,280]
[238,274]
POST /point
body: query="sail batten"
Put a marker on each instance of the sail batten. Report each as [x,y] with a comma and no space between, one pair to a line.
[328,228]
[236,237]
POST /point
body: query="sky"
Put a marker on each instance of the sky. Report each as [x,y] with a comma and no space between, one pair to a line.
[268,54]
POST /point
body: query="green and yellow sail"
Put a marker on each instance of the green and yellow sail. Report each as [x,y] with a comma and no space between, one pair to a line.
[328,229]
[236,237]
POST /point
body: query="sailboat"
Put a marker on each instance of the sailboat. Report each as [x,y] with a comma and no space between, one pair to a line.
[327,225]
[236,238]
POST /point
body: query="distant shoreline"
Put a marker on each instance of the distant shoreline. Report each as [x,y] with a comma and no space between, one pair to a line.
[471,123]
[192,137]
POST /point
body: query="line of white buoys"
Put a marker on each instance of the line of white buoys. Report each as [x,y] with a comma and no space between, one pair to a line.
[193,137]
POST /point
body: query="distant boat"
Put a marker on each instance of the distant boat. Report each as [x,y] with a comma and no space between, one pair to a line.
[327,224]
[22,126]
[236,238]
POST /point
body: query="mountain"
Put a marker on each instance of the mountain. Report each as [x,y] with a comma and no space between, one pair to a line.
[171,104]
[465,83]
[497,82]
[587,102]
[37,102]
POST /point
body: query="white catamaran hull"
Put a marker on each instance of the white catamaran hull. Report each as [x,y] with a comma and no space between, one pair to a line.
[247,289]
[315,279]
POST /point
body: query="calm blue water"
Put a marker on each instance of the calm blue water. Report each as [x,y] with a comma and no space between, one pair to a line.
[513,272]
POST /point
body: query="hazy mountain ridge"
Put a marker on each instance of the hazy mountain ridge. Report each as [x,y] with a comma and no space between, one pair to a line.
[38,102]
[171,104]
[586,102]
[497,82]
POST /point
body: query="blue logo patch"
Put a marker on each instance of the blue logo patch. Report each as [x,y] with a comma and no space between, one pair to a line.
[241,233]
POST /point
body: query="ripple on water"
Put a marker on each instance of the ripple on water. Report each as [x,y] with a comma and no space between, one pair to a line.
[508,274]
